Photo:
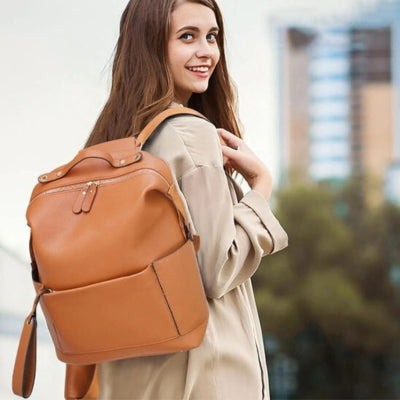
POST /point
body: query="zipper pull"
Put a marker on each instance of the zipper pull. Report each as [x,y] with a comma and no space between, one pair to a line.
[85,198]
[89,198]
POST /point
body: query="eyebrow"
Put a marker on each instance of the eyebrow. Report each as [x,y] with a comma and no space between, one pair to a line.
[196,29]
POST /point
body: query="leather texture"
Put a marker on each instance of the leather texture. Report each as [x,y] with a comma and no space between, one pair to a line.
[80,382]
[114,264]
[25,360]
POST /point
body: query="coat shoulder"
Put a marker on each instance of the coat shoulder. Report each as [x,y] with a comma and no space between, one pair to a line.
[198,137]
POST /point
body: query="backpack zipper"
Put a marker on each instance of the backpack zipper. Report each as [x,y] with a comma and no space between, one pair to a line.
[88,190]
[86,198]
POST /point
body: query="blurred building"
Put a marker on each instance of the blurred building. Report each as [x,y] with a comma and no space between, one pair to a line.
[339,98]
[329,105]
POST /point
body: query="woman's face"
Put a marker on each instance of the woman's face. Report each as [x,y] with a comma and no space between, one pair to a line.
[192,49]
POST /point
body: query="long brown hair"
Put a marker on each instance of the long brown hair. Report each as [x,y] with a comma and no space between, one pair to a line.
[142,85]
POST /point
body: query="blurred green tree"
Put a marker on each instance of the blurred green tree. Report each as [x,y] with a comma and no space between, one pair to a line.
[328,298]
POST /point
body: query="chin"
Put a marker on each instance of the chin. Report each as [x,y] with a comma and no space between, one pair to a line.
[200,90]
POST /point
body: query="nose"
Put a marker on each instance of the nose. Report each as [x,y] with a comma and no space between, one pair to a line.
[205,49]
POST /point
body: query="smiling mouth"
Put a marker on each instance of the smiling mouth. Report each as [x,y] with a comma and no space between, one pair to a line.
[199,69]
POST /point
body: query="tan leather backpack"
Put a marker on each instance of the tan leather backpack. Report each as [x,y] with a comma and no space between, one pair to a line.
[113,262]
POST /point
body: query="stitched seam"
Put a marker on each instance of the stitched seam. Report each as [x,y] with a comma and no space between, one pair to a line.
[193,170]
[170,124]
[166,300]
[261,372]
[131,347]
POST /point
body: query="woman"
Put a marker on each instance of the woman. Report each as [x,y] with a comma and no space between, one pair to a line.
[171,53]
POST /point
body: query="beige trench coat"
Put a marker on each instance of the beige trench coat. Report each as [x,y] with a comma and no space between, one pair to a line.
[230,363]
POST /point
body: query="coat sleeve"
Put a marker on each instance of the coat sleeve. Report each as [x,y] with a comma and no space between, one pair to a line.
[233,238]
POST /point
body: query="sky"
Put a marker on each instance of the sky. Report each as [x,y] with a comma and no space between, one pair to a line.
[55,76]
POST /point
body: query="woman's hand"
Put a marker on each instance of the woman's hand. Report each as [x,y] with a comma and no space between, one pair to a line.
[239,156]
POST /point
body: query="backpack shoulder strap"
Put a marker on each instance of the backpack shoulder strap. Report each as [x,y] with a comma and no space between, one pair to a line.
[160,118]
[141,140]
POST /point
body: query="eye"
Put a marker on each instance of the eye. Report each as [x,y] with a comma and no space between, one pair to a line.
[186,36]
[212,37]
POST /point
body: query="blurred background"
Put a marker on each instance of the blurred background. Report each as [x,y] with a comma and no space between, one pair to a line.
[318,86]
[330,303]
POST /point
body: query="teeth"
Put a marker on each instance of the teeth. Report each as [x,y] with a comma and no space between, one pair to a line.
[199,69]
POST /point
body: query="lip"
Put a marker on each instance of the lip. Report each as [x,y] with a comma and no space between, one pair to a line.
[199,66]
[202,74]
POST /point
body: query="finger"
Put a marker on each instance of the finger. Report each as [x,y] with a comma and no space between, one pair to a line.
[227,162]
[222,141]
[230,153]
[230,139]
[225,134]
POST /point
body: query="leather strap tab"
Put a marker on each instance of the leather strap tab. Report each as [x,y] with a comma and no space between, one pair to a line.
[196,242]
[81,382]
[176,198]
[25,361]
